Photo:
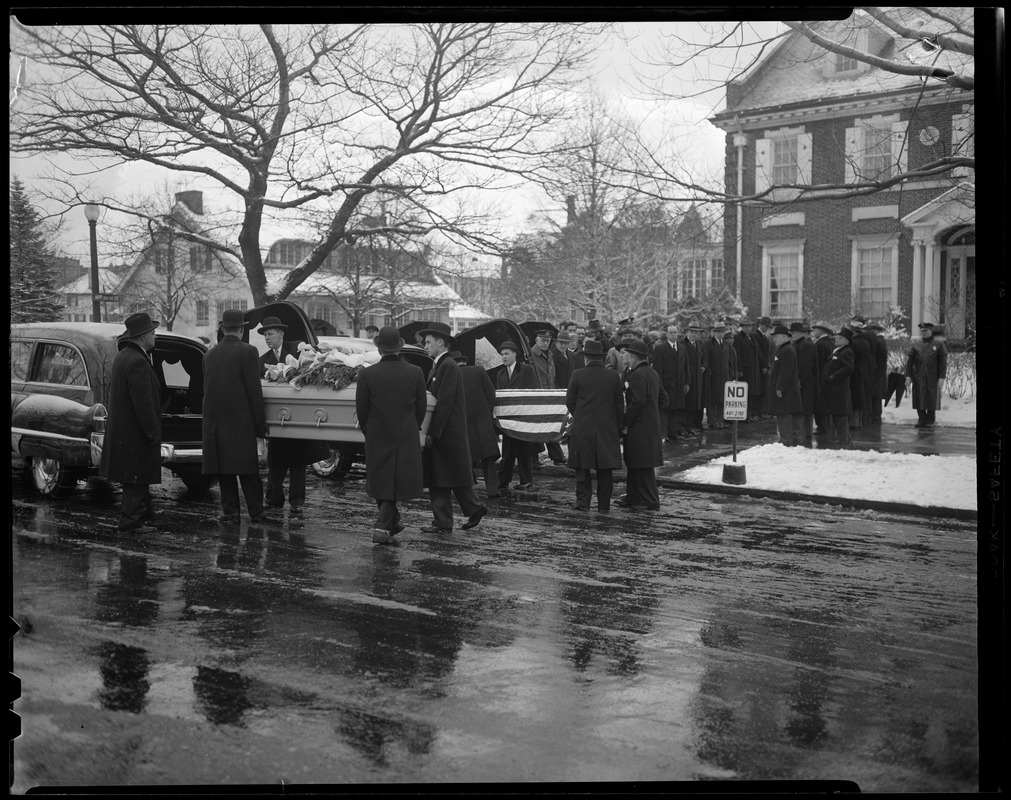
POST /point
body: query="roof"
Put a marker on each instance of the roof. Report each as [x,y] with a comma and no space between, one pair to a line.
[462,311]
[108,281]
[324,283]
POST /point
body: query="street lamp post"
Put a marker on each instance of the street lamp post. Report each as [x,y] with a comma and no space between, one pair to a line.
[91,212]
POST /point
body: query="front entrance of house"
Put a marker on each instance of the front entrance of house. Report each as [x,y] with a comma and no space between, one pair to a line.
[958,264]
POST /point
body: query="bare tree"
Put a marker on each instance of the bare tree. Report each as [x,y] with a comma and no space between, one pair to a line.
[287,118]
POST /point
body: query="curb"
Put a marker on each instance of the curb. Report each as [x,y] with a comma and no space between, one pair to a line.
[849,502]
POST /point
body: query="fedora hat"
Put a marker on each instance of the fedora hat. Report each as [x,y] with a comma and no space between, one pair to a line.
[270,323]
[636,346]
[439,329]
[458,357]
[591,347]
[781,329]
[799,327]
[845,332]
[138,325]
[232,318]
[823,326]
[507,345]
[563,336]
[388,339]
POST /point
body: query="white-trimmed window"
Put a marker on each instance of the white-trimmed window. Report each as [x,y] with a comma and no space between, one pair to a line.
[230,305]
[783,158]
[203,313]
[876,149]
[874,274]
[863,37]
[963,138]
[783,278]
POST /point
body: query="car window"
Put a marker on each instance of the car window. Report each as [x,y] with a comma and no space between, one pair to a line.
[61,364]
[21,353]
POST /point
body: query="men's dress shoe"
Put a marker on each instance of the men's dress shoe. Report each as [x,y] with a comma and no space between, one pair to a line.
[434,529]
[273,505]
[523,487]
[224,518]
[604,509]
[475,518]
[652,508]
[379,536]
[296,509]
[261,519]
[139,529]
[577,507]
[559,463]
[154,514]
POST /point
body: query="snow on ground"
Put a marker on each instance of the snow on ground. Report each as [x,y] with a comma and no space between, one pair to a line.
[908,478]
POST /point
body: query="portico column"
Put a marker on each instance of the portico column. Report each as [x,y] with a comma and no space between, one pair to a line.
[916,312]
[931,279]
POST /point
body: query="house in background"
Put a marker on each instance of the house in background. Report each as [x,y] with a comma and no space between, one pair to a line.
[804,116]
[77,305]
[697,269]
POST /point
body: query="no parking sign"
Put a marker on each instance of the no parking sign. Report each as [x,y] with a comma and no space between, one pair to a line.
[735,401]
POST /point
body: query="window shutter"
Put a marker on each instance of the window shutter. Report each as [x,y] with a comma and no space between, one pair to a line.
[900,146]
[854,153]
[763,165]
[804,157]
[962,143]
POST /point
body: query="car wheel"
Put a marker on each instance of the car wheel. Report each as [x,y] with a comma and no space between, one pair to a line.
[50,477]
[339,463]
[195,480]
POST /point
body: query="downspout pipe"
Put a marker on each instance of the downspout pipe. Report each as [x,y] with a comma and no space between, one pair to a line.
[740,142]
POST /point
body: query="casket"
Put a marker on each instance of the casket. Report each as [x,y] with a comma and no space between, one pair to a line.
[318,413]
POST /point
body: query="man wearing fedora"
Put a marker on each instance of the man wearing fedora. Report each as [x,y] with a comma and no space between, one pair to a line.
[446,459]
[807,372]
[515,375]
[594,398]
[860,380]
[784,387]
[835,382]
[479,394]
[669,362]
[926,365]
[233,419]
[285,457]
[823,338]
[390,402]
[879,382]
[644,398]
[131,453]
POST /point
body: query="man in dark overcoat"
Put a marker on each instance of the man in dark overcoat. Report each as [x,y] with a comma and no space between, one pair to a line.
[448,467]
[765,342]
[234,419]
[285,456]
[695,368]
[563,369]
[879,381]
[595,400]
[131,452]
[721,360]
[926,364]
[750,366]
[644,398]
[391,402]
[860,380]
[784,386]
[807,371]
[479,394]
[515,375]
[669,363]
[823,336]
[835,387]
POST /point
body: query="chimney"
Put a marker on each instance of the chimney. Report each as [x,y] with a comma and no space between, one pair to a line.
[570,206]
[193,200]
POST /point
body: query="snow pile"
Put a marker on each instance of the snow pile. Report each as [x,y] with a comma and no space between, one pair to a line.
[953,413]
[937,481]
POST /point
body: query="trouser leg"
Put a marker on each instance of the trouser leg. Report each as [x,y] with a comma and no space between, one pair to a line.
[252,491]
[526,469]
[799,429]
[296,485]
[605,488]
[276,468]
[649,494]
[555,451]
[229,487]
[467,498]
[388,515]
[632,497]
[135,506]
[506,466]
[842,426]
[584,488]
[490,471]
[441,498]
[784,424]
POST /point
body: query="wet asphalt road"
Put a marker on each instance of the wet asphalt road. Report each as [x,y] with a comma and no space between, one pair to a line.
[721,638]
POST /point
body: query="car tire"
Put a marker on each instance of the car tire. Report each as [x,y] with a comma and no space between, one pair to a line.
[50,477]
[338,464]
[194,480]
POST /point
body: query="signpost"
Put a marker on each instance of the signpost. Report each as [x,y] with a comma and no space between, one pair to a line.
[735,408]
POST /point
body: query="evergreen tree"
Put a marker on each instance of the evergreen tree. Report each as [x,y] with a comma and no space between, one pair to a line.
[34,296]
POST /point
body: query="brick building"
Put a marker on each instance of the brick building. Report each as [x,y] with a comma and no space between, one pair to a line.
[806,117]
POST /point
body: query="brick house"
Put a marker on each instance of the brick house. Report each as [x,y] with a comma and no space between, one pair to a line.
[804,116]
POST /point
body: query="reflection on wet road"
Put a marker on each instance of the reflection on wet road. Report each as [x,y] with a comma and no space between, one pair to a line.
[721,638]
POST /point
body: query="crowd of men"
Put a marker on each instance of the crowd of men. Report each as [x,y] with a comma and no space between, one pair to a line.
[626,392]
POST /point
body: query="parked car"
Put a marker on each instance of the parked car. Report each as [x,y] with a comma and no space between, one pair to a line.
[60,374]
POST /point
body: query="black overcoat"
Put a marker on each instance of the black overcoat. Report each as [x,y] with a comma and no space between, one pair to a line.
[595,400]
[926,364]
[881,367]
[765,347]
[721,366]
[391,402]
[807,372]
[479,392]
[694,371]
[447,463]
[823,348]
[131,452]
[233,408]
[523,377]
[835,382]
[784,380]
[859,381]
[669,363]
[749,362]
[644,397]
[563,367]
[293,452]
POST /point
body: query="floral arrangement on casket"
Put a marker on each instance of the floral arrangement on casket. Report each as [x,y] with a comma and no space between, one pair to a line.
[323,365]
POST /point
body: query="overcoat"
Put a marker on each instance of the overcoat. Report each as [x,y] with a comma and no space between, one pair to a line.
[765,348]
[644,397]
[721,360]
[390,402]
[563,367]
[595,400]
[870,364]
[823,348]
[807,372]
[859,388]
[523,377]
[926,364]
[749,362]
[447,463]
[881,366]
[785,379]
[131,452]
[835,382]
[543,364]
[233,408]
[669,363]
[479,393]
[695,366]
[294,452]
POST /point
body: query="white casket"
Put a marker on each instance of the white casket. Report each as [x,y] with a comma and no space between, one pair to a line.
[318,413]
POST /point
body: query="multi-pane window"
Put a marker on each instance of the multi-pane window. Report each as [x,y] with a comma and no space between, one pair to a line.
[874,269]
[203,312]
[876,149]
[784,161]
[716,275]
[200,258]
[877,155]
[783,282]
[693,283]
[230,305]
[844,63]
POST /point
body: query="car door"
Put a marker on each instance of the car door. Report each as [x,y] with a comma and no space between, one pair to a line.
[480,344]
[291,315]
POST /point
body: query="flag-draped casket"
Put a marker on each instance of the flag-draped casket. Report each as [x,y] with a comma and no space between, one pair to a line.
[532,415]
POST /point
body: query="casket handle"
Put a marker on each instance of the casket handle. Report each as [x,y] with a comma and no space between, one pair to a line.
[284,415]
[320,416]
